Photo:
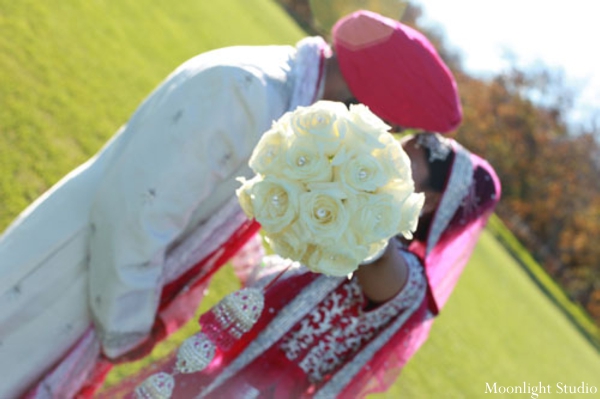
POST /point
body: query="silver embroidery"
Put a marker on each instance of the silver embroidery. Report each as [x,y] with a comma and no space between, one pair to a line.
[195,354]
[307,299]
[325,356]
[412,297]
[439,147]
[470,204]
[238,312]
[157,386]
[338,339]
[248,392]
[458,186]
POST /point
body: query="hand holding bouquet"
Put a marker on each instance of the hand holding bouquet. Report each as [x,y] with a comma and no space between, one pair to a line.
[332,186]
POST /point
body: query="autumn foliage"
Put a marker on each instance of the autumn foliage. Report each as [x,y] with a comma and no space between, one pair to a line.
[550,174]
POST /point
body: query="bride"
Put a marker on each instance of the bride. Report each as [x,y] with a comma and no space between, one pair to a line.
[328,337]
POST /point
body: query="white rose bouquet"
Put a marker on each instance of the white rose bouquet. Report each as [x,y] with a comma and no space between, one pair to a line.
[332,186]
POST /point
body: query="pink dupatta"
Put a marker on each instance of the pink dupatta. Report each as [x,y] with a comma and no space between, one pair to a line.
[472,191]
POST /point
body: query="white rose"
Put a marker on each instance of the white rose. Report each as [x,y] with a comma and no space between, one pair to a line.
[375,217]
[244,194]
[275,203]
[376,249]
[410,211]
[364,128]
[363,117]
[334,189]
[393,158]
[283,124]
[360,171]
[337,260]
[399,189]
[268,155]
[323,215]
[324,121]
[306,162]
[290,243]
[355,242]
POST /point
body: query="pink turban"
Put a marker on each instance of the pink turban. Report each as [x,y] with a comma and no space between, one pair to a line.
[396,72]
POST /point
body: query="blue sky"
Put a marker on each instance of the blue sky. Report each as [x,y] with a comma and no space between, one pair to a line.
[561,34]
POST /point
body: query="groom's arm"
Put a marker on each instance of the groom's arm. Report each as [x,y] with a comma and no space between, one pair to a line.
[191,135]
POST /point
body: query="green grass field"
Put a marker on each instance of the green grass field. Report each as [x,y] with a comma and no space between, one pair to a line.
[498,327]
[71,73]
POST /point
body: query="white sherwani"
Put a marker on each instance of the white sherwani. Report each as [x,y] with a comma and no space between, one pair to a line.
[95,246]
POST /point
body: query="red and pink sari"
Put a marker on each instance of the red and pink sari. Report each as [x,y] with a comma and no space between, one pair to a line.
[318,336]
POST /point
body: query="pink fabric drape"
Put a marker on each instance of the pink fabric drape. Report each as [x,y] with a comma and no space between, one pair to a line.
[179,301]
[271,374]
[443,266]
[446,261]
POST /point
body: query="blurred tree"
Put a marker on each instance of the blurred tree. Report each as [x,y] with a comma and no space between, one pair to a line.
[327,12]
[550,187]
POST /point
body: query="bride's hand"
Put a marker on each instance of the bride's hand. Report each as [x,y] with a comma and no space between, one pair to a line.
[382,279]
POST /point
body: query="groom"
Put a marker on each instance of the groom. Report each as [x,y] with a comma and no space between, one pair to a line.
[89,261]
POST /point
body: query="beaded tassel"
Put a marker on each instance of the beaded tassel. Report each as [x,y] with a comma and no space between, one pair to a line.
[234,316]
[195,354]
[157,386]
[222,326]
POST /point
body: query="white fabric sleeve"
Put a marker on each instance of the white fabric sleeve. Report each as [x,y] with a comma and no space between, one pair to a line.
[186,144]
[58,217]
